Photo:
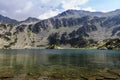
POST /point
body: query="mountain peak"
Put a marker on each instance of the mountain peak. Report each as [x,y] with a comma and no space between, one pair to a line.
[30,19]
[79,13]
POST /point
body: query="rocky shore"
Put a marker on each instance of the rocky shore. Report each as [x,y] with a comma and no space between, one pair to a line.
[68,74]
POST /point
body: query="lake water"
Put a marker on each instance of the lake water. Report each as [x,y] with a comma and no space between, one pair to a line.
[73,64]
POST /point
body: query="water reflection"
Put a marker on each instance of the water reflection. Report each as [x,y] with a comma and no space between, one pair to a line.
[34,60]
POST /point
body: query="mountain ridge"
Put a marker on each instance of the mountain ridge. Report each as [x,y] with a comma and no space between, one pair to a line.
[4,19]
[67,30]
[79,13]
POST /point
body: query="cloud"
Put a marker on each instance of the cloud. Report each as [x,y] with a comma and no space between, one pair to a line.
[21,9]
[49,14]
[27,7]
[18,11]
[89,9]
[3,11]
[63,5]
[73,4]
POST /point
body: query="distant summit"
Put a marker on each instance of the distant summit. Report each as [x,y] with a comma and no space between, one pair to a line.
[4,19]
[30,20]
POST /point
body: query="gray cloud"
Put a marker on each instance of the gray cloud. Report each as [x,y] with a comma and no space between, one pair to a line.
[21,9]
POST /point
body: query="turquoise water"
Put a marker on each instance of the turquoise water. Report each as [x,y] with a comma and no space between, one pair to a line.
[42,61]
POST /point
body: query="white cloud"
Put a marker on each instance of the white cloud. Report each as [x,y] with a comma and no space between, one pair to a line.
[48,14]
[21,9]
[105,11]
[27,7]
[65,5]
[73,4]
[89,9]
[18,11]
[3,11]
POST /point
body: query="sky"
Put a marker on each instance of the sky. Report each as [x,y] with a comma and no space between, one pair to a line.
[43,9]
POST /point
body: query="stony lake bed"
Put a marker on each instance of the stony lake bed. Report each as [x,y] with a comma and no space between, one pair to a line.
[67,64]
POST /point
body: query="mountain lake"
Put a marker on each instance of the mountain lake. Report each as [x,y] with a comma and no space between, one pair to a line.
[64,64]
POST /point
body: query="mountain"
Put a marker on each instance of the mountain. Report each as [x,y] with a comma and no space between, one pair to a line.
[82,13]
[30,20]
[7,20]
[13,21]
[113,13]
[72,28]
[79,13]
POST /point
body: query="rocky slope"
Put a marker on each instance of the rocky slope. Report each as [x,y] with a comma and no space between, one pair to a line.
[72,28]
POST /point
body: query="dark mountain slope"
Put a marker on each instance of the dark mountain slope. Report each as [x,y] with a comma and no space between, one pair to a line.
[7,20]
